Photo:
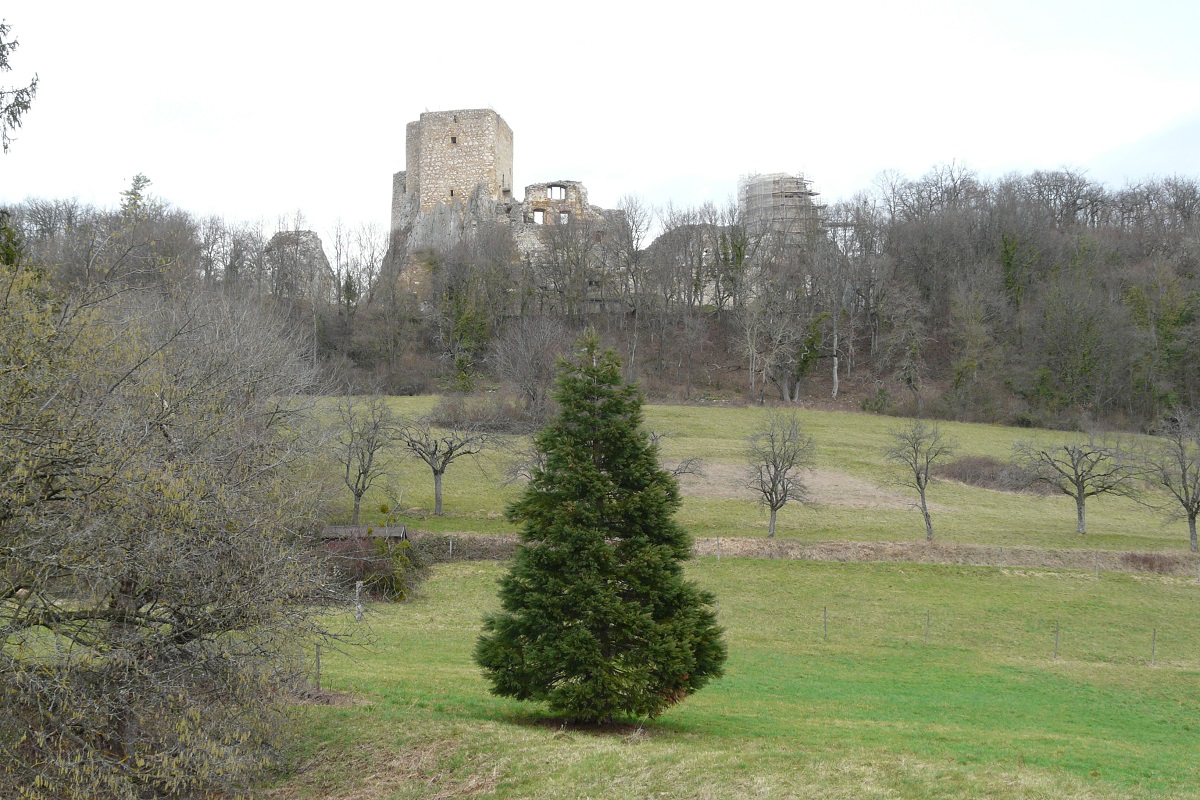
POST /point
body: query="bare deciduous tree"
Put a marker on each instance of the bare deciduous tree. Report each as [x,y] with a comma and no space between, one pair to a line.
[366,426]
[156,586]
[1173,463]
[1083,468]
[777,456]
[439,450]
[526,355]
[916,448]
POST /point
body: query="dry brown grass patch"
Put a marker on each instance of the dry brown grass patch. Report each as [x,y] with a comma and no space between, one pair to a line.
[377,773]
[826,487]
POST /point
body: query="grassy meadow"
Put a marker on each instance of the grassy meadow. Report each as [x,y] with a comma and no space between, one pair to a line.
[854,496]
[860,706]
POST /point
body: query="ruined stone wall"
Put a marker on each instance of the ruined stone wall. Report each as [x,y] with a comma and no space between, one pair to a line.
[557,198]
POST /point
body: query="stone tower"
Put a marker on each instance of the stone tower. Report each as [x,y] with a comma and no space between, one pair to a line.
[450,156]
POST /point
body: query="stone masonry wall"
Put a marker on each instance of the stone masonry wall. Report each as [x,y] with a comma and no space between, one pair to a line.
[457,151]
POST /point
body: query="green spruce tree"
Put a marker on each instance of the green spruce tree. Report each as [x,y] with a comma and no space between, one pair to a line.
[597,620]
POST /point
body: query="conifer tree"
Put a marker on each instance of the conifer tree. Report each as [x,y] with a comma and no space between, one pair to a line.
[597,620]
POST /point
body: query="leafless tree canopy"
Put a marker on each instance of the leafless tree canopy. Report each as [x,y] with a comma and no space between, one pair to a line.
[777,456]
[438,449]
[525,356]
[1172,463]
[1083,468]
[917,448]
[155,587]
[366,426]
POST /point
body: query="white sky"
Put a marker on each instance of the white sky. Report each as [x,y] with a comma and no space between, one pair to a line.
[256,110]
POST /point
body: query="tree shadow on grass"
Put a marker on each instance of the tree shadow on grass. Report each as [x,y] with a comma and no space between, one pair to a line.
[620,728]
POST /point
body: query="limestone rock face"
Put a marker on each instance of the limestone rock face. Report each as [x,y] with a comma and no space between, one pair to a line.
[297,259]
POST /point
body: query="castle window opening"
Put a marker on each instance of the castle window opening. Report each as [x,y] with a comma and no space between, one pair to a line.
[557,192]
[452,193]
[564,217]
[539,216]
[453,140]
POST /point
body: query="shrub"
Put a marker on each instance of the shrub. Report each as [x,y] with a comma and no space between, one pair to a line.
[879,402]
[390,569]
[987,472]
[492,413]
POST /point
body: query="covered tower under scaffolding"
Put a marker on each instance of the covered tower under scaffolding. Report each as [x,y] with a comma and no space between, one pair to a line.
[778,203]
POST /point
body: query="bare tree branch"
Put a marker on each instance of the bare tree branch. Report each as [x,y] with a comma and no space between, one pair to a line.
[1083,468]
[777,456]
[916,448]
[439,450]
[366,427]
[1172,463]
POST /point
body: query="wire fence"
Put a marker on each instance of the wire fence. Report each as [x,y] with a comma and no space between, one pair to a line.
[1167,645]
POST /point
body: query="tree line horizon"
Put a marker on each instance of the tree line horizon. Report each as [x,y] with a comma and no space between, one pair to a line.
[1043,299]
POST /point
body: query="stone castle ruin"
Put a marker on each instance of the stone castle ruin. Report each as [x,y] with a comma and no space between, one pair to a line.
[458,177]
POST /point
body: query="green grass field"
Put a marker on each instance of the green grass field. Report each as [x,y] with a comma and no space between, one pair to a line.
[855,498]
[869,709]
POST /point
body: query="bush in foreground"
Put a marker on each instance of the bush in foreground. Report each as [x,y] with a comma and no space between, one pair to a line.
[157,583]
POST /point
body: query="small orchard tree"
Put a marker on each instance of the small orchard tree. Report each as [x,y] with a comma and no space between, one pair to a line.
[1083,468]
[439,450]
[596,618]
[777,457]
[1172,463]
[366,426]
[916,448]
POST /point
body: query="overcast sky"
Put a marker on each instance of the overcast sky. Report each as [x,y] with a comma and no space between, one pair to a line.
[256,110]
